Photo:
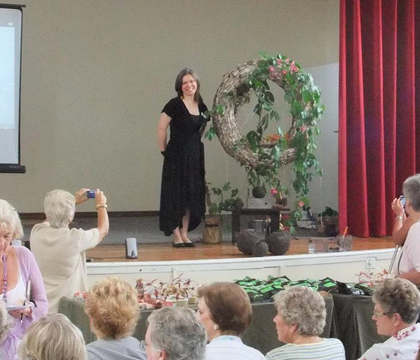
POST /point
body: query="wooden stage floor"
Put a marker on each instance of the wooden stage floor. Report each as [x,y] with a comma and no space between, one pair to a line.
[165,252]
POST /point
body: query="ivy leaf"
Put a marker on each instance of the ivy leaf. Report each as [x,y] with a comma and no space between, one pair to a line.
[226,186]
[269,96]
[264,55]
[234,193]
[307,96]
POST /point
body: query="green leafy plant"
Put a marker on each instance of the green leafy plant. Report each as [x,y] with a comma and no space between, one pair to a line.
[221,199]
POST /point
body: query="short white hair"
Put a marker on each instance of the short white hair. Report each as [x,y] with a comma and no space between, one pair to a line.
[9,219]
[178,332]
[4,321]
[51,338]
[59,207]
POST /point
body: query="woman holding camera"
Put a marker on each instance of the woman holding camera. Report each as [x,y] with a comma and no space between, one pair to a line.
[407,262]
[182,201]
[59,250]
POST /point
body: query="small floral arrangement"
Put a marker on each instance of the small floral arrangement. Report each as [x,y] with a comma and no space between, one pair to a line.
[374,277]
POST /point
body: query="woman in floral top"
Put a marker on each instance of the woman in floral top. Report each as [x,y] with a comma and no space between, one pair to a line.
[397,306]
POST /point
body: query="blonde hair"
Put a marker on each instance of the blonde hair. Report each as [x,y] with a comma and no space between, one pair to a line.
[9,219]
[112,307]
[4,321]
[51,338]
[59,208]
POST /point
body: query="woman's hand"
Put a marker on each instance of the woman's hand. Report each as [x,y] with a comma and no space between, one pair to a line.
[397,207]
[100,198]
[81,196]
[18,313]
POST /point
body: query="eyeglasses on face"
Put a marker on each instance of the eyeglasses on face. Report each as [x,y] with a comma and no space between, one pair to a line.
[378,314]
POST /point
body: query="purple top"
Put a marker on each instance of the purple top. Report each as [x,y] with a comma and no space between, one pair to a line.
[29,271]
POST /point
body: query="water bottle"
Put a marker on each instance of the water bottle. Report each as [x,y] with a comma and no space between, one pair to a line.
[311,248]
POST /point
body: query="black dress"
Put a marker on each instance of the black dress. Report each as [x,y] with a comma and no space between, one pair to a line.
[183,184]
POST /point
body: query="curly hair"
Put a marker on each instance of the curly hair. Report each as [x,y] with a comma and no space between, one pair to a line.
[112,307]
[411,191]
[178,332]
[229,305]
[303,307]
[59,208]
[398,296]
[9,219]
[51,338]
[4,321]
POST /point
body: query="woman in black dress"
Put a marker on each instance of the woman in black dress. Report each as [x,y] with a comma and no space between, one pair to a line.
[182,200]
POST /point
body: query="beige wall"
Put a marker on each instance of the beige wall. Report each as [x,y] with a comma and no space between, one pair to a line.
[96,74]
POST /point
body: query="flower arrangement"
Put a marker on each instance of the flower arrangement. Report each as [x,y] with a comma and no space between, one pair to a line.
[264,155]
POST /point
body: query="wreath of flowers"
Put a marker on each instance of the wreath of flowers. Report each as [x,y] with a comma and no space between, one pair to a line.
[263,155]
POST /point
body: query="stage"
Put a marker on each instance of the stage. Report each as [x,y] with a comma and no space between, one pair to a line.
[224,262]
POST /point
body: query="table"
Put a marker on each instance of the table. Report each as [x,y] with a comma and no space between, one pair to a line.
[273,213]
[349,318]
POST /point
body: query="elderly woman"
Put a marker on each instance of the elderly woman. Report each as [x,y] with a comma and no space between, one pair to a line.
[175,334]
[113,311]
[51,338]
[299,322]
[18,269]
[59,250]
[407,263]
[225,311]
[397,306]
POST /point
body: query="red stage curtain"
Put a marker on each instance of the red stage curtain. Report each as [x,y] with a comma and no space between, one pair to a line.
[379,137]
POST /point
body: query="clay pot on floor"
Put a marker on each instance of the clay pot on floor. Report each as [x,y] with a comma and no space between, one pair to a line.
[212,233]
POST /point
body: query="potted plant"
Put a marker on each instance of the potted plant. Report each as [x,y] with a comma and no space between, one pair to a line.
[218,200]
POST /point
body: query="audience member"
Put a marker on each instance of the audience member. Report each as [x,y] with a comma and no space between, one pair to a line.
[59,250]
[53,338]
[113,311]
[397,307]
[18,268]
[299,322]
[175,334]
[407,262]
[225,311]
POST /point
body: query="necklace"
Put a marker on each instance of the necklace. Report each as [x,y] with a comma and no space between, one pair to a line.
[5,280]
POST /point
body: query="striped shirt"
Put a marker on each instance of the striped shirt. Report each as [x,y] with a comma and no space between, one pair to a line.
[228,347]
[328,349]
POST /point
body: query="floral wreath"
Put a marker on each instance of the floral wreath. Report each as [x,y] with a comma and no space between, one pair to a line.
[263,155]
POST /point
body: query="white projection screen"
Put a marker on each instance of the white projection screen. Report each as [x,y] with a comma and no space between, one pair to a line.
[10,68]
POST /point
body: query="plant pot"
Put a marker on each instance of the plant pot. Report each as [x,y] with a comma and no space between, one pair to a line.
[212,234]
[258,192]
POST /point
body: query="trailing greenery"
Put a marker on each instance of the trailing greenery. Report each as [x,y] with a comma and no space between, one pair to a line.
[303,98]
[221,199]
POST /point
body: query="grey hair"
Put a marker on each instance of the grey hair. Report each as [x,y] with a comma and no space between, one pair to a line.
[59,207]
[51,338]
[4,321]
[178,332]
[398,296]
[411,191]
[304,308]
[9,219]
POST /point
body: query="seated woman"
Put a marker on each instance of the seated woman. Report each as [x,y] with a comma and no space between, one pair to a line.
[59,250]
[407,262]
[225,311]
[397,306]
[175,334]
[299,322]
[18,268]
[51,338]
[113,312]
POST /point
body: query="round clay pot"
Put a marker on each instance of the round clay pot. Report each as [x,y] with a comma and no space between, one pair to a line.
[258,192]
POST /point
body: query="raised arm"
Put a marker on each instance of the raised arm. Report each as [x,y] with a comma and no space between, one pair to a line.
[163,124]
[101,207]
[402,223]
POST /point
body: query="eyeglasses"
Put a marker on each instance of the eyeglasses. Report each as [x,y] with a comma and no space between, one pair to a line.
[379,314]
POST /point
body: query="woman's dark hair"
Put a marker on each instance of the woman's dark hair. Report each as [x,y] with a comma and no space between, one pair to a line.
[178,83]
[229,307]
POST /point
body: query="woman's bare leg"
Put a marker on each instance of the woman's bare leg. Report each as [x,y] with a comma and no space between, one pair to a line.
[184,230]
[177,239]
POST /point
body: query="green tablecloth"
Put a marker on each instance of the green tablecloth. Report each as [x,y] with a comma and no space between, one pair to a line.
[348,319]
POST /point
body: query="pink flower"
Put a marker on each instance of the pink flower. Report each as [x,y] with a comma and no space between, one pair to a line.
[303,128]
[279,61]
[274,191]
[284,72]
[271,68]
[294,69]
[287,61]
[301,203]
